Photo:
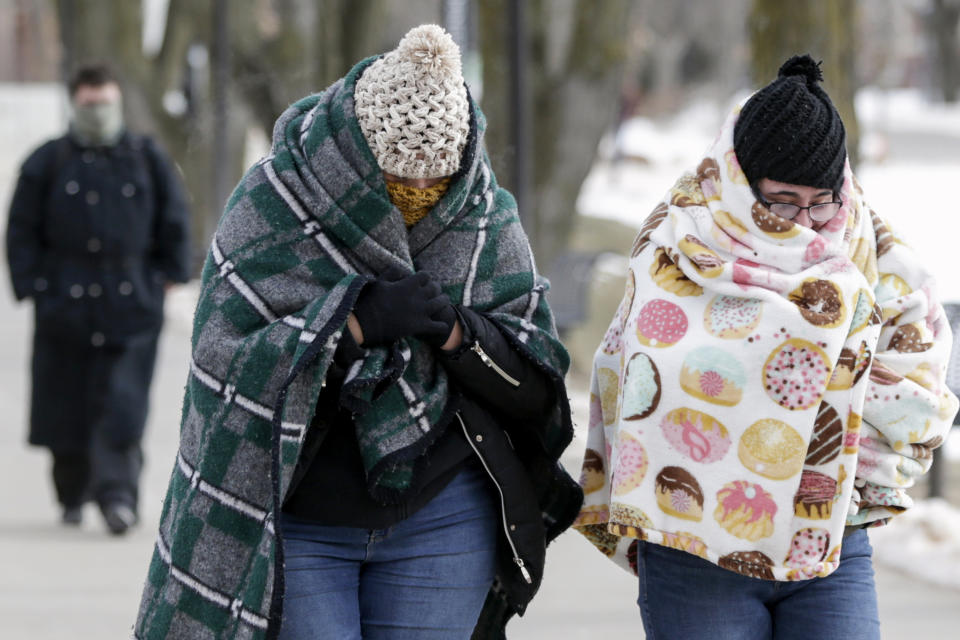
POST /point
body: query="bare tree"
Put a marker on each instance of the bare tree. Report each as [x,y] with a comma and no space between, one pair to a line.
[576,51]
[944,18]
[296,47]
[825,30]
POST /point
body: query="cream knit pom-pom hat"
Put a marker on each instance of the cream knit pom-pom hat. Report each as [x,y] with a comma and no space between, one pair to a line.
[412,106]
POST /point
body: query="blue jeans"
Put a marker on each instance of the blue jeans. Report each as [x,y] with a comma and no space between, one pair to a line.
[425,577]
[684,596]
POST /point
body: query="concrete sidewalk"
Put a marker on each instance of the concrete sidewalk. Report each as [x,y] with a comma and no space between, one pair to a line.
[59,584]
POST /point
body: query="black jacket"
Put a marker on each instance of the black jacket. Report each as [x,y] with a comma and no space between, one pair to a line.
[498,395]
[93,235]
[505,394]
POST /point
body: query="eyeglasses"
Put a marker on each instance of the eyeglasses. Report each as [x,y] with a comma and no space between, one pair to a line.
[821,212]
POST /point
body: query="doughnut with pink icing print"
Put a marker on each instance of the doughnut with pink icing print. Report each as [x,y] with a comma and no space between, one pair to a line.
[795,374]
[745,510]
[661,324]
[696,435]
[612,339]
[631,464]
[809,547]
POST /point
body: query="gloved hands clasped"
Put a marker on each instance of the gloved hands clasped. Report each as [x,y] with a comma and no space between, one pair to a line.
[400,304]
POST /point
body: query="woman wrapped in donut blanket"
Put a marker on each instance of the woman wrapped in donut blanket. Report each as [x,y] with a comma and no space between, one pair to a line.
[775,383]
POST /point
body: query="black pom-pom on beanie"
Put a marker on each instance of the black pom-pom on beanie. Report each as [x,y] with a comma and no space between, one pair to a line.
[789,131]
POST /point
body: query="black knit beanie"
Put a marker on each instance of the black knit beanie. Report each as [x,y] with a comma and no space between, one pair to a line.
[789,131]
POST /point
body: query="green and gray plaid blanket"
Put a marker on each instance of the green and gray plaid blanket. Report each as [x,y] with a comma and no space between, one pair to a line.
[303,231]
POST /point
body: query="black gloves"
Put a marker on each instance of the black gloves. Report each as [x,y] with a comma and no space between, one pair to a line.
[399,304]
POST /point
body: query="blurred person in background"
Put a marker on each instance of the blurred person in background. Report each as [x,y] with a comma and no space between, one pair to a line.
[98,228]
[771,384]
[376,410]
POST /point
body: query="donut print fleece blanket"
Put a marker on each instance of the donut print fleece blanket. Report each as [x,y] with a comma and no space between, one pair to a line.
[762,385]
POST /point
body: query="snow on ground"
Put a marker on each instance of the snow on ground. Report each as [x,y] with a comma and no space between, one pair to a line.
[923,542]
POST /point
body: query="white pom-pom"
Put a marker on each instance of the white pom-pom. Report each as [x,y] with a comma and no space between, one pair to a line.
[430,46]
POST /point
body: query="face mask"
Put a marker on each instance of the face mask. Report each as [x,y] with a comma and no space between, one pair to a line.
[99,123]
[416,203]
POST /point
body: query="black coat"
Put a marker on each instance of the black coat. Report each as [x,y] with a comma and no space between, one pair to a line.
[539,499]
[93,235]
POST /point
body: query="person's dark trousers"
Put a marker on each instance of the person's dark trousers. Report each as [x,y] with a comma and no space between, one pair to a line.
[89,408]
[71,477]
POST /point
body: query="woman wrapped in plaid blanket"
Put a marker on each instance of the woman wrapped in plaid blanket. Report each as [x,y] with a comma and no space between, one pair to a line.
[375,407]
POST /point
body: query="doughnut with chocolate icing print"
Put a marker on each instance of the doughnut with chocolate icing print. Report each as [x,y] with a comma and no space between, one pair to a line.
[850,367]
[745,510]
[686,192]
[732,318]
[771,224]
[885,239]
[708,175]
[795,374]
[661,324]
[592,474]
[652,222]
[814,498]
[708,169]
[882,374]
[827,436]
[679,494]
[820,303]
[908,338]
[754,564]
[669,277]
[705,259]
[696,435]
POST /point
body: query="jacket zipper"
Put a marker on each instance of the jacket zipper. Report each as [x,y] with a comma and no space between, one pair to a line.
[517,560]
[487,360]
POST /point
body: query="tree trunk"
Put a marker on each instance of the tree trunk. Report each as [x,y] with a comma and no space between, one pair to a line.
[299,47]
[944,18]
[576,50]
[825,30]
